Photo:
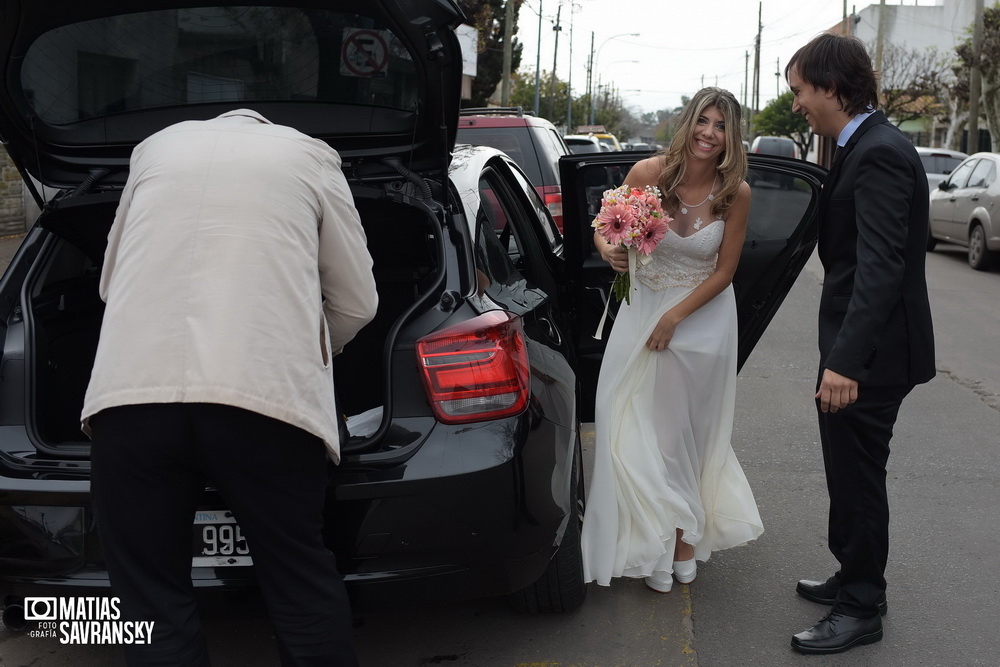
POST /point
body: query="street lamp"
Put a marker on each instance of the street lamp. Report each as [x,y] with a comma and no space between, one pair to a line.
[593,65]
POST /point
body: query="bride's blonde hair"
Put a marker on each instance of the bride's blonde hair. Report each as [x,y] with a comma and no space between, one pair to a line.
[732,164]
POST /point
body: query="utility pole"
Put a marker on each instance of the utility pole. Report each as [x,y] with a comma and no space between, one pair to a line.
[755,97]
[557,28]
[569,75]
[508,38]
[879,41]
[590,78]
[975,80]
[746,75]
[538,56]
[777,77]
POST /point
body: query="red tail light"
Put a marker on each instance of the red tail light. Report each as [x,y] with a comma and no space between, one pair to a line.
[552,196]
[477,370]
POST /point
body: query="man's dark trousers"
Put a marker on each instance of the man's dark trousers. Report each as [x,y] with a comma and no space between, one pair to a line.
[150,465]
[855,451]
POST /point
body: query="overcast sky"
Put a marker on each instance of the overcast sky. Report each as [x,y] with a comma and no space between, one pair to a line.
[682,44]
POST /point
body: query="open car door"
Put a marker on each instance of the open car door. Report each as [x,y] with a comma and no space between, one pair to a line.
[781,234]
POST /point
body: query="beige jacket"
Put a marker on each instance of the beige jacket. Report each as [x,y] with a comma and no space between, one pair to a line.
[235,269]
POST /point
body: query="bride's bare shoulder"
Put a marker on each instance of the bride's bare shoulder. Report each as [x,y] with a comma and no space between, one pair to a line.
[645,172]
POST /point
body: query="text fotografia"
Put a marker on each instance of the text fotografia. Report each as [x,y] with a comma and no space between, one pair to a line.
[84,620]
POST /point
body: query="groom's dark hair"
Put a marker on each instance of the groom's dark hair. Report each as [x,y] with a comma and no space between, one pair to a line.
[838,63]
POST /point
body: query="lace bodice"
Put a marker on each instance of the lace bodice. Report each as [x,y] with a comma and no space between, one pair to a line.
[687,254]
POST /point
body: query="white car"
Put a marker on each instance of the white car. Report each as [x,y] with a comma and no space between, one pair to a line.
[582,143]
[964,209]
[938,163]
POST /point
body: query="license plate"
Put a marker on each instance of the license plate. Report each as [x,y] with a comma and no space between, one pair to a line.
[218,540]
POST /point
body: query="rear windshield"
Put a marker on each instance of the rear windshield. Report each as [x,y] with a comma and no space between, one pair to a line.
[514,141]
[581,147]
[189,56]
[940,164]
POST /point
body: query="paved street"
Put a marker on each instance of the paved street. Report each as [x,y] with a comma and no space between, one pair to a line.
[943,478]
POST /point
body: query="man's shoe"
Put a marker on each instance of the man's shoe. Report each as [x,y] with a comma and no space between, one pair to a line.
[837,632]
[825,592]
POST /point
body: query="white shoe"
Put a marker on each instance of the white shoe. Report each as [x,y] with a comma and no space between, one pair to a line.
[659,582]
[685,571]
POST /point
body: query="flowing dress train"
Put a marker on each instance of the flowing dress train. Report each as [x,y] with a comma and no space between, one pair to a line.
[663,455]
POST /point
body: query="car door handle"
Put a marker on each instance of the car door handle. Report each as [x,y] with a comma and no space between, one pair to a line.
[976,198]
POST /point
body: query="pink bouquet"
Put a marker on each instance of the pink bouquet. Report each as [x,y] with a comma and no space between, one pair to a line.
[634,219]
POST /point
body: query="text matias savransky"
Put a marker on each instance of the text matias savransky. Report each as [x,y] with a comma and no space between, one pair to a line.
[89,620]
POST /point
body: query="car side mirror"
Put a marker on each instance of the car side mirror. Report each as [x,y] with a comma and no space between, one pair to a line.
[943,185]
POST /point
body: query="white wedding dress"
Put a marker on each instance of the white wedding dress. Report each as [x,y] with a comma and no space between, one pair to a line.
[663,458]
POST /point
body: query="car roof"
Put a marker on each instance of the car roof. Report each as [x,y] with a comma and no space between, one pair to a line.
[501,117]
[84,82]
[926,150]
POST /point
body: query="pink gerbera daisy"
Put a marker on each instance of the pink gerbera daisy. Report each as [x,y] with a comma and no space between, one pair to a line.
[654,231]
[615,223]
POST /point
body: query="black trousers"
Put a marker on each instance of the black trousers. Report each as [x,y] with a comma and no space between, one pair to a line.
[150,464]
[855,453]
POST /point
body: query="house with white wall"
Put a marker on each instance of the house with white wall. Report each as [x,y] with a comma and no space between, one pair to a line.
[937,24]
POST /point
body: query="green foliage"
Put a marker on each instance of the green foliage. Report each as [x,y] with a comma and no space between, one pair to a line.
[488,17]
[778,120]
[989,67]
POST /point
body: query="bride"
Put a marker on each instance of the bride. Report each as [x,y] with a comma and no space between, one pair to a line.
[667,489]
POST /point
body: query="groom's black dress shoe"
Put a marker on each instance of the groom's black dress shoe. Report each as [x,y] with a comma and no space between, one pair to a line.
[825,592]
[837,632]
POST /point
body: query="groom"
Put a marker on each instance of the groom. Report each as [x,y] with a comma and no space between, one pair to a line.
[875,337]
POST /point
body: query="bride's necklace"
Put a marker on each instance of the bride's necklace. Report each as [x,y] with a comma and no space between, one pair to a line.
[685,206]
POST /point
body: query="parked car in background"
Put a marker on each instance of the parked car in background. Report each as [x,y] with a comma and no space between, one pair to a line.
[938,163]
[640,147]
[609,140]
[582,143]
[775,146]
[964,209]
[781,146]
[532,142]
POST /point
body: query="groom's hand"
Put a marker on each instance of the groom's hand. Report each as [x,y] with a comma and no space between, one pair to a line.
[836,392]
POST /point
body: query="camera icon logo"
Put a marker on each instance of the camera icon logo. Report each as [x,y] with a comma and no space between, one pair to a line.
[40,609]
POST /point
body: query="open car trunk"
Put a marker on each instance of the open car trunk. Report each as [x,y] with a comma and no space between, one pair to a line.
[62,314]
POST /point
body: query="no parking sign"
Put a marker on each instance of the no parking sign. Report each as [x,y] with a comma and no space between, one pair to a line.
[365,53]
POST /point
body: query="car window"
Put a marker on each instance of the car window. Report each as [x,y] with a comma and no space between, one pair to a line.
[514,141]
[549,149]
[777,205]
[983,174]
[546,226]
[939,164]
[166,58]
[497,246]
[960,176]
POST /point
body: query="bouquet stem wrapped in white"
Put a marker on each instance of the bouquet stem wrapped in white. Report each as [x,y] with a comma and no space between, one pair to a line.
[634,219]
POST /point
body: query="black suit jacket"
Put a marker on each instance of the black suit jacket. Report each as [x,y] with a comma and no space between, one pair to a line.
[874,316]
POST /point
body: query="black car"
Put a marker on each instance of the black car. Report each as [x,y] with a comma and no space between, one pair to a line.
[479,366]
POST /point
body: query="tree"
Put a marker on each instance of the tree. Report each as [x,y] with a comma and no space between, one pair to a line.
[488,17]
[955,98]
[989,68]
[910,83]
[778,120]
